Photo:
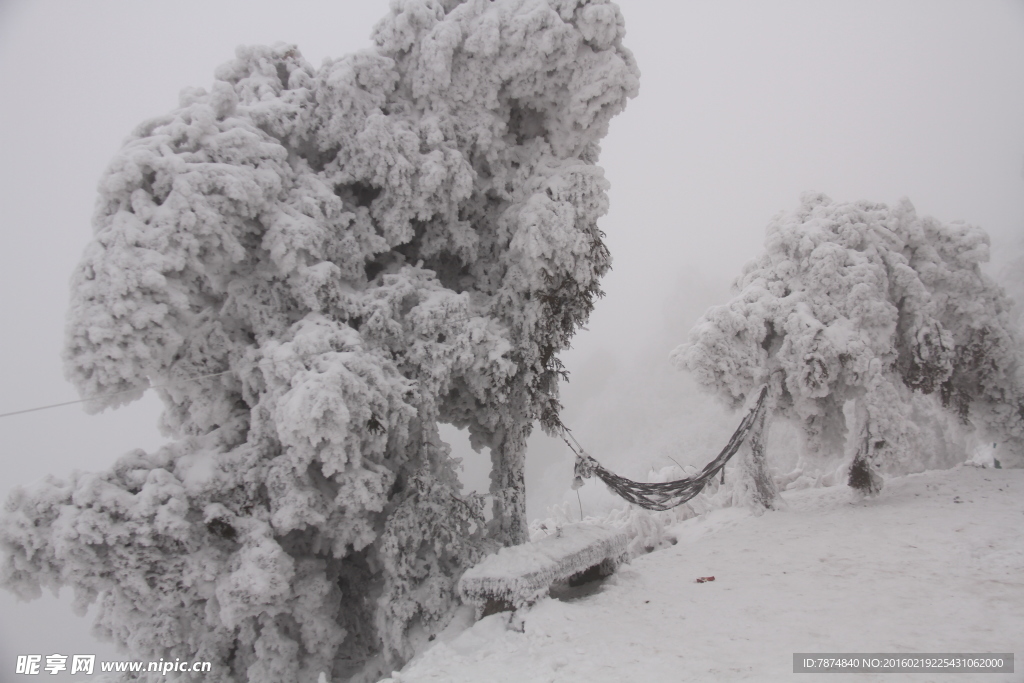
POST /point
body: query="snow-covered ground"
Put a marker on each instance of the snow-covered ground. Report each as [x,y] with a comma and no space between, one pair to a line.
[934,564]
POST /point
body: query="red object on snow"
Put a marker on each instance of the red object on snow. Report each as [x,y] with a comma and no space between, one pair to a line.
[705,579]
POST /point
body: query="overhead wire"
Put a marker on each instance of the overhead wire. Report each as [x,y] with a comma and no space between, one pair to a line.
[166,385]
[116,393]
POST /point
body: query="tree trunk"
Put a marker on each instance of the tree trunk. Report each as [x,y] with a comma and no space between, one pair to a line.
[864,476]
[508,479]
[756,487]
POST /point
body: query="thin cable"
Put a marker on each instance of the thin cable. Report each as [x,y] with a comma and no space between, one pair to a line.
[175,382]
[52,405]
[117,393]
[165,385]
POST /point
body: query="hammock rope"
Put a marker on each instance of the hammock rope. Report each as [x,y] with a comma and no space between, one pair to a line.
[669,494]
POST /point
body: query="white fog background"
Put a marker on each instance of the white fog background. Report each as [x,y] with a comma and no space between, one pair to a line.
[742,107]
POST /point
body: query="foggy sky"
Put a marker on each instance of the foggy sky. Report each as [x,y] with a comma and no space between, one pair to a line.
[743,106]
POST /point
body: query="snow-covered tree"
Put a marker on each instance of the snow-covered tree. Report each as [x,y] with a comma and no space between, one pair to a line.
[314,267]
[1012,279]
[871,304]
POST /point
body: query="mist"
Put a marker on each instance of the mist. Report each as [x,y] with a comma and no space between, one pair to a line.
[742,107]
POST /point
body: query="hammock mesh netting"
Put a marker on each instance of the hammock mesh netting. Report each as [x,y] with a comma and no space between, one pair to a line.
[668,494]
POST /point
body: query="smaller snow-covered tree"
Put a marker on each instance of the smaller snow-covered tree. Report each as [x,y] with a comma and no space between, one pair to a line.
[871,304]
[1012,278]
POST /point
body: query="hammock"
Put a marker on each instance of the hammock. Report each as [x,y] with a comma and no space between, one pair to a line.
[665,495]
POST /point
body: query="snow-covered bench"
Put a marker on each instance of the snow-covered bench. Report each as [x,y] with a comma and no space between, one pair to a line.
[519,576]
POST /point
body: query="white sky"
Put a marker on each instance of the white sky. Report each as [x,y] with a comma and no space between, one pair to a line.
[742,106]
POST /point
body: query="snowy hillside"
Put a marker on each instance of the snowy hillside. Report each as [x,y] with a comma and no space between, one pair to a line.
[934,564]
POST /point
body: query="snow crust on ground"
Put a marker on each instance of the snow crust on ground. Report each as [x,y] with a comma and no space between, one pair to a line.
[935,563]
